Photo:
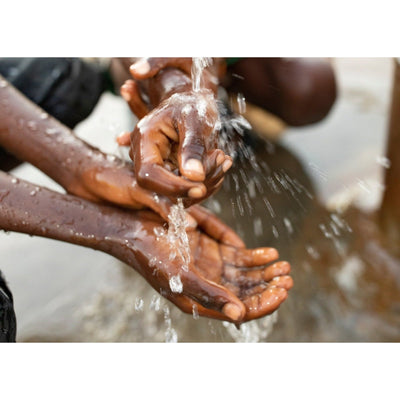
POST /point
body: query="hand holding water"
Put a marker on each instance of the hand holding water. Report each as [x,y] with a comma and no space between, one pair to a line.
[221,281]
[174,146]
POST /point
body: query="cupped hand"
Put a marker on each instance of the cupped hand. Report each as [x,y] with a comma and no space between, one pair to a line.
[174,146]
[220,281]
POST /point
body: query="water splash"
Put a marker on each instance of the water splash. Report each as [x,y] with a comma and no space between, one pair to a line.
[198,66]
[179,243]
[241,103]
[177,235]
[170,333]
[252,331]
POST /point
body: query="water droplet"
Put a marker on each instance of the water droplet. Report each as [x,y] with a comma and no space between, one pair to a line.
[51,131]
[44,115]
[3,83]
[312,252]
[195,312]
[153,261]
[241,103]
[159,231]
[155,303]
[32,125]
[175,284]
[14,180]
[171,336]
[258,228]
[172,255]
[288,225]
[139,304]
[384,161]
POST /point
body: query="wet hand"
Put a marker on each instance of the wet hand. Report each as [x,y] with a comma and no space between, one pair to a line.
[220,281]
[174,146]
[111,180]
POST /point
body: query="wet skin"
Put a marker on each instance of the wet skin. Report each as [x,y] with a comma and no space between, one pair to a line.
[31,135]
[174,145]
[222,282]
[225,280]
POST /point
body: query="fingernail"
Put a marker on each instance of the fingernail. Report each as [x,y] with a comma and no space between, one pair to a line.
[226,165]
[141,67]
[196,192]
[193,165]
[232,311]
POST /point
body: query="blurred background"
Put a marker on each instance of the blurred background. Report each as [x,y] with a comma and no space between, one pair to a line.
[300,201]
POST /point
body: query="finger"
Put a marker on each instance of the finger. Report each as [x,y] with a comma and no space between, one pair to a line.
[216,174]
[190,306]
[257,276]
[264,303]
[248,257]
[156,178]
[124,139]
[191,152]
[276,269]
[147,148]
[131,93]
[148,67]
[214,170]
[213,296]
[217,158]
[214,227]
[284,282]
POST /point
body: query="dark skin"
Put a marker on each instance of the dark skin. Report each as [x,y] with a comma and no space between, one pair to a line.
[300,91]
[225,280]
[222,282]
[82,169]
[174,145]
[85,171]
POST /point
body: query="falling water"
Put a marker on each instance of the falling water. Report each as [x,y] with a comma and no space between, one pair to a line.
[198,66]
[177,223]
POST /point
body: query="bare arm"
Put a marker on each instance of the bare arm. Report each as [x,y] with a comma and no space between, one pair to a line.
[220,280]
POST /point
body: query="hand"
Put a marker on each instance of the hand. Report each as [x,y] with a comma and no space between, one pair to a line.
[178,136]
[222,282]
[109,179]
[145,68]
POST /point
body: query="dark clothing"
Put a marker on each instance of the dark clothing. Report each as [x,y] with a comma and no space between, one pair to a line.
[66,88]
[8,325]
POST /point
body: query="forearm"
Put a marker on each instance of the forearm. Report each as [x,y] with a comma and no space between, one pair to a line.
[33,210]
[31,135]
